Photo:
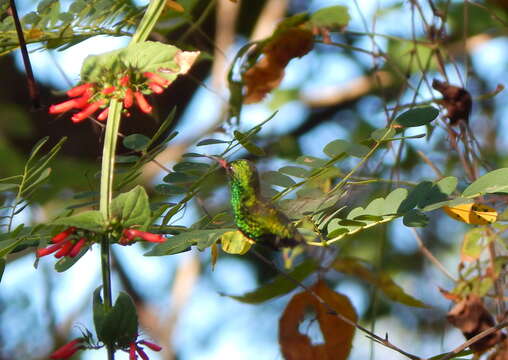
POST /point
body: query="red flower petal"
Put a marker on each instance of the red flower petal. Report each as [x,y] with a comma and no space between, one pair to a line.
[89,110]
[157,79]
[67,350]
[132,351]
[63,107]
[156,88]
[124,80]
[77,247]
[151,345]
[103,115]
[128,100]
[65,250]
[63,235]
[141,353]
[144,106]
[131,234]
[109,90]
[49,250]
[79,90]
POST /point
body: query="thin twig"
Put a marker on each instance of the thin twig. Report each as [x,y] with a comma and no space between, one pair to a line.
[473,340]
[383,341]
[427,161]
[426,252]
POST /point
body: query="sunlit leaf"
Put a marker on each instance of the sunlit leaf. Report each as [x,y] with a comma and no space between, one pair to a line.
[472,213]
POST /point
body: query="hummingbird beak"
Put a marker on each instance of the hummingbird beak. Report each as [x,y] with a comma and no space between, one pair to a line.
[222,162]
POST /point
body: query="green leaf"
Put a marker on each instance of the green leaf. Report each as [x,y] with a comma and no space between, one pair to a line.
[336,147]
[417,116]
[120,159]
[5,187]
[234,242]
[132,208]
[136,142]
[475,240]
[191,167]
[183,241]
[67,262]
[279,286]
[89,220]
[3,262]
[492,182]
[211,142]
[384,133]
[311,161]
[415,218]
[8,245]
[179,178]
[295,171]
[361,269]
[276,178]
[170,189]
[333,17]
[247,144]
[447,185]
[118,325]
[99,312]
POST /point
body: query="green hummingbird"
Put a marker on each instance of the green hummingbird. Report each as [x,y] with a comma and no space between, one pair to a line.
[257,218]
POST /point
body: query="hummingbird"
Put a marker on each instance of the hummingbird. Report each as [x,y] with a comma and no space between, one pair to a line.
[256,217]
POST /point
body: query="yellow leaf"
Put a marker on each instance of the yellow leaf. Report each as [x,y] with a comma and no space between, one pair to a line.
[34,34]
[337,335]
[174,6]
[473,213]
[234,242]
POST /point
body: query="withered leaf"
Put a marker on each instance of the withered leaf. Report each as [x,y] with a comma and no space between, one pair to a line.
[338,336]
[456,100]
[471,317]
[268,72]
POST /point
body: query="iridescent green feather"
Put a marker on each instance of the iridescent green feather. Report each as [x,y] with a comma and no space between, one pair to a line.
[255,217]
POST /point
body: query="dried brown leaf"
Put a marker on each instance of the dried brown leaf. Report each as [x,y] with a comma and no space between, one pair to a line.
[471,317]
[338,335]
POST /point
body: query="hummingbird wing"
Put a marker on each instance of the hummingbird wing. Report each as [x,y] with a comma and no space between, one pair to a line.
[276,226]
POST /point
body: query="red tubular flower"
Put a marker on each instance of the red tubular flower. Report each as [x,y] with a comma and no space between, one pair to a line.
[89,110]
[132,351]
[159,80]
[103,115]
[65,250]
[68,349]
[150,345]
[141,353]
[79,90]
[156,88]
[63,235]
[130,234]
[109,90]
[142,103]
[124,80]
[49,250]
[63,106]
[128,100]
[82,102]
[76,248]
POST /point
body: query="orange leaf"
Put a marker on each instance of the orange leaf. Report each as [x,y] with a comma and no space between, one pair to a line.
[338,336]
[174,6]
[268,72]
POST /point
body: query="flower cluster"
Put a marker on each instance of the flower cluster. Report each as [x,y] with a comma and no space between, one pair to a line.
[65,243]
[91,97]
[129,235]
[68,349]
[134,347]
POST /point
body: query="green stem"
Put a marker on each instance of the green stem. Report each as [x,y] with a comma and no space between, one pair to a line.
[148,22]
[107,172]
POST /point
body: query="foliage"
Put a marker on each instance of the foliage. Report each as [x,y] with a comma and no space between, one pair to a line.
[346,196]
